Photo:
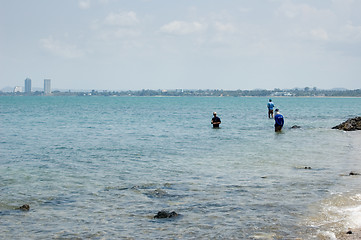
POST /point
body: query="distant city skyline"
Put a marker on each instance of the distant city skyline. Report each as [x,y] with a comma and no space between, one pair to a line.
[205,44]
[46,88]
[28,87]
[306,92]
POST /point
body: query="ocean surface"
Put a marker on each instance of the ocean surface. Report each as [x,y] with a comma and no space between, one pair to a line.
[102,167]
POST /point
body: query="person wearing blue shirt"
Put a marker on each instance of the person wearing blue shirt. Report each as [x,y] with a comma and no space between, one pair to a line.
[270,107]
[279,121]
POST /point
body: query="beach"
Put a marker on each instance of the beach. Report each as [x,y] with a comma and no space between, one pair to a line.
[356,234]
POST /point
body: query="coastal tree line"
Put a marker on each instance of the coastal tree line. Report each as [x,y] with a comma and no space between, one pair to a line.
[296,92]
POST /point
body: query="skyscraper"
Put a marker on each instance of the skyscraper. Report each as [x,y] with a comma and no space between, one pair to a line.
[27,85]
[47,88]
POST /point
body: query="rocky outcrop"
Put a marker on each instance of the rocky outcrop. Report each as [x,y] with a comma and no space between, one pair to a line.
[24,207]
[351,124]
[166,214]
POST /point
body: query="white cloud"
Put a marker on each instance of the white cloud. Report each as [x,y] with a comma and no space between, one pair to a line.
[116,26]
[303,12]
[183,28]
[119,33]
[60,49]
[104,2]
[319,34]
[308,22]
[228,27]
[351,32]
[124,19]
[84,4]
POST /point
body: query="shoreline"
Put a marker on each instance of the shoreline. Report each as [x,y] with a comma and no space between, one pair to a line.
[352,234]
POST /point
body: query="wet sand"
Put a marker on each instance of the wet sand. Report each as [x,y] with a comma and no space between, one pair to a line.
[356,234]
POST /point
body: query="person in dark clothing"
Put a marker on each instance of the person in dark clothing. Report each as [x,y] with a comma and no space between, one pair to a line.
[279,121]
[215,120]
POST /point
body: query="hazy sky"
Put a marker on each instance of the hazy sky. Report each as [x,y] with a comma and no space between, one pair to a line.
[189,44]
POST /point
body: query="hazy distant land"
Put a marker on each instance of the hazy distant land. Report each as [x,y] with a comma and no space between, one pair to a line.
[296,92]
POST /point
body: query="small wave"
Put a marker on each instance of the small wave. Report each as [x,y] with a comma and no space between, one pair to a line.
[337,215]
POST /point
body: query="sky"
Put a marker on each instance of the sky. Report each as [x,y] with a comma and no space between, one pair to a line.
[181,44]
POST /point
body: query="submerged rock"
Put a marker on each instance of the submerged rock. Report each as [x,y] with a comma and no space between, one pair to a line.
[352,124]
[295,127]
[303,167]
[166,214]
[354,173]
[24,207]
[157,193]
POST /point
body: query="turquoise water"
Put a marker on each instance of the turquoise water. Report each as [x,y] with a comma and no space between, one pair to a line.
[102,167]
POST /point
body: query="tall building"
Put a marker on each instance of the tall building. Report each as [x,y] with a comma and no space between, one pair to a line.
[27,85]
[47,87]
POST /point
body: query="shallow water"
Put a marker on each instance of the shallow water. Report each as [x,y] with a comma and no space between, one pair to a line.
[102,167]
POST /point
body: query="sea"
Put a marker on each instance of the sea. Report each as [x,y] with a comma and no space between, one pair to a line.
[94,167]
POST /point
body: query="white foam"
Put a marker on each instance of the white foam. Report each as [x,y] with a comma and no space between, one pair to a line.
[328,234]
[357,197]
[337,214]
[353,216]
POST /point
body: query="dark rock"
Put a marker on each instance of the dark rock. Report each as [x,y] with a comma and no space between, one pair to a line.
[349,232]
[352,124]
[166,214]
[295,127]
[354,173]
[25,207]
[308,168]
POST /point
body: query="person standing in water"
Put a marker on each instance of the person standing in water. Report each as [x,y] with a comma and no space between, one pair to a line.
[270,107]
[279,121]
[215,120]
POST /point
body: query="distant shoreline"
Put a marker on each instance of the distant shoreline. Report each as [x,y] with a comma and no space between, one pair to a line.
[163,96]
[201,93]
